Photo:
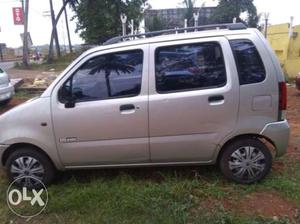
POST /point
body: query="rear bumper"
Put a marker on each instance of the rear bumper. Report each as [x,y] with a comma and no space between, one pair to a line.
[278,133]
[7,92]
[2,149]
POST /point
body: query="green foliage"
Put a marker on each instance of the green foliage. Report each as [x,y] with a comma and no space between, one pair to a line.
[157,24]
[189,5]
[229,9]
[99,20]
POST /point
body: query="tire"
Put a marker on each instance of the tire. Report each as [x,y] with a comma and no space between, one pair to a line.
[5,102]
[245,168]
[37,165]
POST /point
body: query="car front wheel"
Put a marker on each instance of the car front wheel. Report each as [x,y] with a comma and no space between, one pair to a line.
[27,162]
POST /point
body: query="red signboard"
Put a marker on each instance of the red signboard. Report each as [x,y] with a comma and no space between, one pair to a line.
[18,16]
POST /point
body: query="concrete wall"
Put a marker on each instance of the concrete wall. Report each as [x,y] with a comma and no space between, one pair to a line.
[286,48]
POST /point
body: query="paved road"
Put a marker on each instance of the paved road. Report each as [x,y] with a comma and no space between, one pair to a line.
[7,65]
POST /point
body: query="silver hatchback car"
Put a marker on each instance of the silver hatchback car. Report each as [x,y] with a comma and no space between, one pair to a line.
[6,88]
[215,96]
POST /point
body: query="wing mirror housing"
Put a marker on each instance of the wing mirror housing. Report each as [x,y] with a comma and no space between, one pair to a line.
[70,103]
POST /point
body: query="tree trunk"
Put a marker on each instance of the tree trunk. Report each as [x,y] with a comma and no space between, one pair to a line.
[55,29]
[107,73]
[25,35]
[68,30]
[50,56]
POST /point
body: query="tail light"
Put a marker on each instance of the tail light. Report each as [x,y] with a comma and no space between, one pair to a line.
[282,96]
[282,101]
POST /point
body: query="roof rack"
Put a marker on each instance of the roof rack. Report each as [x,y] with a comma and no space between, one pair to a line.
[229,26]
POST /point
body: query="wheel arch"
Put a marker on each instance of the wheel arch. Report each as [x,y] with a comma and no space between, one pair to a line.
[14,147]
[268,142]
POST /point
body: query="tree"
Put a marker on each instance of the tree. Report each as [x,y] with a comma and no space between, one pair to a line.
[189,15]
[113,63]
[99,20]
[72,4]
[157,24]
[229,9]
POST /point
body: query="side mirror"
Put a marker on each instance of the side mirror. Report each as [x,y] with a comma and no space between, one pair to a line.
[65,97]
[70,103]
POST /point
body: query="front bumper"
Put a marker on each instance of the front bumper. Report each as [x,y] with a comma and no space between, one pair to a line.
[278,133]
[2,149]
[7,92]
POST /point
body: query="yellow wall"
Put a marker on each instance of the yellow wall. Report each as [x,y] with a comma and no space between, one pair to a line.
[287,49]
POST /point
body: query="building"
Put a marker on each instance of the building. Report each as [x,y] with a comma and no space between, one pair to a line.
[172,18]
[286,44]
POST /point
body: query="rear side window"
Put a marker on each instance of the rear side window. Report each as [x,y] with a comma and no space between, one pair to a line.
[248,61]
[189,67]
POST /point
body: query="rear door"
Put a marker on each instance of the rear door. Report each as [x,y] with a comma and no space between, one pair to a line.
[193,101]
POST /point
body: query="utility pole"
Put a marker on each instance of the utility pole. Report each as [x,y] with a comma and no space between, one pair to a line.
[291,27]
[68,30]
[25,36]
[1,54]
[266,15]
[55,30]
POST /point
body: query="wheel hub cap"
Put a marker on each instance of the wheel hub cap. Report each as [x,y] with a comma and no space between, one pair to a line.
[27,166]
[247,162]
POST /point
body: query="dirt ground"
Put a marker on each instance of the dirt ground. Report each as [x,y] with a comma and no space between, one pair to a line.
[268,204]
[293,116]
[24,74]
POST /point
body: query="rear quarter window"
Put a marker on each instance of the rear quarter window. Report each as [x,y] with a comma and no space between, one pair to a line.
[248,61]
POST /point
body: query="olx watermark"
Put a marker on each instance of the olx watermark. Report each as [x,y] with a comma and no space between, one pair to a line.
[27,202]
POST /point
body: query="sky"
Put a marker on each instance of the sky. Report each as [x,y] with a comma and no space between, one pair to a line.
[40,25]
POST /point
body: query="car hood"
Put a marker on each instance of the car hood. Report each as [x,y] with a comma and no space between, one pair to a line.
[23,117]
[17,110]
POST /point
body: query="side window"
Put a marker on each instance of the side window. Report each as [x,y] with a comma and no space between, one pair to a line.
[106,76]
[189,67]
[248,61]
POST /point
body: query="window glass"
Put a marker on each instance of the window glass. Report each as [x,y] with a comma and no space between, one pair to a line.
[107,76]
[1,71]
[189,67]
[248,61]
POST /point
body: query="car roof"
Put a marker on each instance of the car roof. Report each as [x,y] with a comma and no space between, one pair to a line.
[172,37]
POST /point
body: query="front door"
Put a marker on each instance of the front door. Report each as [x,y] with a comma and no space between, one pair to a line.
[193,101]
[100,114]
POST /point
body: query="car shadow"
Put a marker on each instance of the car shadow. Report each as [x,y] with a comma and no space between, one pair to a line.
[153,174]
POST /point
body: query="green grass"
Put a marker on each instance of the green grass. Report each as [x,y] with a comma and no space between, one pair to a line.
[152,195]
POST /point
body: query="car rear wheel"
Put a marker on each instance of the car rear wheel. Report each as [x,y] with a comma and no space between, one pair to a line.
[27,162]
[246,161]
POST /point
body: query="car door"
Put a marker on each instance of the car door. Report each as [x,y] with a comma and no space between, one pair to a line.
[100,111]
[193,99]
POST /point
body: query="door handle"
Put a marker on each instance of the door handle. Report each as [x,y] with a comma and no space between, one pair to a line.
[127,107]
[215,98]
